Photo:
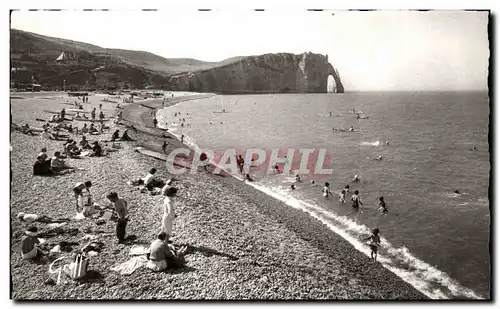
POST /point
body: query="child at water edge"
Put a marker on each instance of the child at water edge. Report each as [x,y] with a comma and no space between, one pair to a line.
[326,190]
[382,206]
[343,194]
[356,201]
[374,243]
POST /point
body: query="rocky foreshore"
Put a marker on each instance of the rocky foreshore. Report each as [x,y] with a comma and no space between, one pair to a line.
[242,243]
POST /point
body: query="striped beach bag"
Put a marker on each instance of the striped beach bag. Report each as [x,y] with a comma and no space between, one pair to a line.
[78,268]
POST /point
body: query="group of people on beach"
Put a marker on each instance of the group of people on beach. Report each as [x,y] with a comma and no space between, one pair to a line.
[161,251]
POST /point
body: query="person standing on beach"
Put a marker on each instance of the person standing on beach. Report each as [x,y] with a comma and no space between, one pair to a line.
[92,114]
[240,162]
[164,146]
[374,243]
[356,201]
[122,212]
[100,106]
[167,221]
[203,158]
[155,122]
[182,138]
[82,194]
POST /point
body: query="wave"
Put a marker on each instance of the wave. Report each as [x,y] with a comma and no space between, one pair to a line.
[427,279]
[376,143]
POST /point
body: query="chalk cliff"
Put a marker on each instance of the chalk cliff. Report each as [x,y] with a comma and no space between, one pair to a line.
[269,73]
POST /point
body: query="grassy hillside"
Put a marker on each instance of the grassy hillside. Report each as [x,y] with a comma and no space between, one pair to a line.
[97,67]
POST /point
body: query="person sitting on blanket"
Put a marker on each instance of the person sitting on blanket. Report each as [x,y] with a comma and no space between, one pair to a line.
[57,164]
[160,254]
[28,244]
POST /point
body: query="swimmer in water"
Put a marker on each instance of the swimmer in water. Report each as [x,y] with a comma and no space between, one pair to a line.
[379,158]
[293,187]
[382,206]
[313,183]
[330,114]
[297,178]
[326,190]
[351,129]
[356,201]
[356,178]
[474,148]
[457,192]
[387,143]
[374,243]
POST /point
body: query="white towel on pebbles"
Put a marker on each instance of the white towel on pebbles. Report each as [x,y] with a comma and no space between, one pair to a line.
[128,267]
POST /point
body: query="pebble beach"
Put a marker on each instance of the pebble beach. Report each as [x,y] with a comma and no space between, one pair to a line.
[242,244]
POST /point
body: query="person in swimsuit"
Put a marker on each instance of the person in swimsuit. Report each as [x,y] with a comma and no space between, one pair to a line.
[326,190]
[374,243]
[343,193]
[297,178]
[382,206]
[356,201]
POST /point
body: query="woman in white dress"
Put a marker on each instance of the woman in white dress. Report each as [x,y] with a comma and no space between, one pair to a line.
[168,210]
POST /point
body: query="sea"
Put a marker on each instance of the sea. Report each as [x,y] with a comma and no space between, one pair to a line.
[434,239]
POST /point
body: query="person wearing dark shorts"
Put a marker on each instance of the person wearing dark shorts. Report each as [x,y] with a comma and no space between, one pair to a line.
[356,201]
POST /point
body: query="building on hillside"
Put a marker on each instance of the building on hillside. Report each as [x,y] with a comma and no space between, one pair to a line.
[67,58]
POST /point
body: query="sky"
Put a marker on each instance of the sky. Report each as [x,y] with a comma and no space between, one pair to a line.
[373,51]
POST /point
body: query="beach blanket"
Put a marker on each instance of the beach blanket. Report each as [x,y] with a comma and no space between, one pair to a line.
[129,267]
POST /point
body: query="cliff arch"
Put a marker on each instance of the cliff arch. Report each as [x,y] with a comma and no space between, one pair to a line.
[336,77]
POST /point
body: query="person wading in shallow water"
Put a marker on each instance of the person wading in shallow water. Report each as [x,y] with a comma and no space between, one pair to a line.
[374,243]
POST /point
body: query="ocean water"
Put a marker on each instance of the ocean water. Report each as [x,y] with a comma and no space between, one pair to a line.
[432,238]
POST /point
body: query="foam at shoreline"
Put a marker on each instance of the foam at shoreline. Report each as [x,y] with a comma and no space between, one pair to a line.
[426,278]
